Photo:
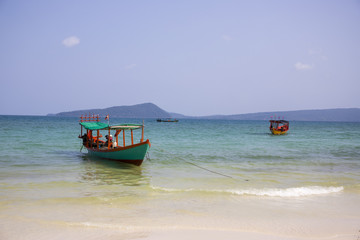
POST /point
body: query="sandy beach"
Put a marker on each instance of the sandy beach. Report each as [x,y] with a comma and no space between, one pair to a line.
[336,217]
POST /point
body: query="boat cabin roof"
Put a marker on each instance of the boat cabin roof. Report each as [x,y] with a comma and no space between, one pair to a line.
[94,125]
[104,126]
[279,121]
[125,126]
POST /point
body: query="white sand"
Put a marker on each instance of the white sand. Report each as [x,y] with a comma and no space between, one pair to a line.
[327,217]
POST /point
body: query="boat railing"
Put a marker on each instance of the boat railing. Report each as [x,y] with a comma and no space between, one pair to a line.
[90,118]
[91,141]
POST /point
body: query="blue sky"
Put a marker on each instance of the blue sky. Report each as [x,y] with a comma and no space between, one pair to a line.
[190,57]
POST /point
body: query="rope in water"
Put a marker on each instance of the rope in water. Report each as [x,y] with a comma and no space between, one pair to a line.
[191,163]
[221,174]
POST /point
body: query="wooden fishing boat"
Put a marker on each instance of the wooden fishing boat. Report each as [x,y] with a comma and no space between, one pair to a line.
[279,127]
[166,120]
[133,153]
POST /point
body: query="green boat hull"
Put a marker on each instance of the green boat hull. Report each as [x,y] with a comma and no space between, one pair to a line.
[133,154]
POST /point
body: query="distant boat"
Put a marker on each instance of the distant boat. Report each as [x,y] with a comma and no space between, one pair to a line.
[279,127]
[167,120]
[133,153]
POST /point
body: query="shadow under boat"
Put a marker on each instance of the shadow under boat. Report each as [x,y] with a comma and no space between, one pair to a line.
[103,171]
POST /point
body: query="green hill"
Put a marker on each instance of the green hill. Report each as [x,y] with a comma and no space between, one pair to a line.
[145,110]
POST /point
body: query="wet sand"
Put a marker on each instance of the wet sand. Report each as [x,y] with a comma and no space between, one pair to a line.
[326,217]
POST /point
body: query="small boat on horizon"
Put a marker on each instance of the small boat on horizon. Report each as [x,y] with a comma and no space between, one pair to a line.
[167,120]
[111,148]
[279,127]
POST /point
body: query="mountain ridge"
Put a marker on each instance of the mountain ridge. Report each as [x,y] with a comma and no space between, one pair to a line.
[143,110]
[150,110]
[333,114]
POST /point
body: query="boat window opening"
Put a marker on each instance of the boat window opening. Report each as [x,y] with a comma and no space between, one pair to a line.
[96,140]
[124,138]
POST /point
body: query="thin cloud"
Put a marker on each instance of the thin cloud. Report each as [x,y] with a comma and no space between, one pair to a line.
[130,66]
[318,53]
[227,37]
[71,41]
[302,66]
[315,52]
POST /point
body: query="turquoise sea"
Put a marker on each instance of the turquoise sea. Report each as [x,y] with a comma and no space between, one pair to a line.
[231,176]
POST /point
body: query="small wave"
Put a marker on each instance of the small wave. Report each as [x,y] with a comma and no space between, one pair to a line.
[289,192]
[270,192]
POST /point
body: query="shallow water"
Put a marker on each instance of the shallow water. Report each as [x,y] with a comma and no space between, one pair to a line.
[211,172]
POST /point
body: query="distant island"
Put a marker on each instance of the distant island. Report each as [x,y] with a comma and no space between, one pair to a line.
[150,110]
[330,115]
[145,110]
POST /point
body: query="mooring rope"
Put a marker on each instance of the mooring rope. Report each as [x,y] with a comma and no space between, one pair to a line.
[148,157]
[221,174]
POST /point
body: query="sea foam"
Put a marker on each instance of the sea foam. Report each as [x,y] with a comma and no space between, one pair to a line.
[288,192]
[270,192]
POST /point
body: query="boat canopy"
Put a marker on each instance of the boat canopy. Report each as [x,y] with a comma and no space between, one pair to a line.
[94,125]
[279,121]
[126,127]
[104,126]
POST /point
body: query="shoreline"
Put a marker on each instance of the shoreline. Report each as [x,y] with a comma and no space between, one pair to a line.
[40,230]
[334,216]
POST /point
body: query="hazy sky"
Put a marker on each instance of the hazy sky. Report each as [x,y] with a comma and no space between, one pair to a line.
[191,57]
